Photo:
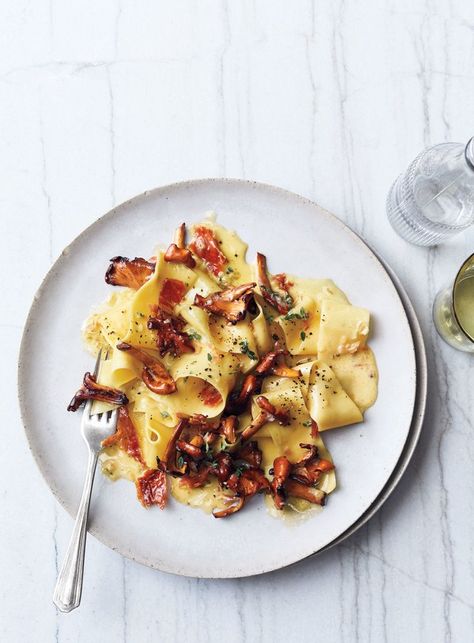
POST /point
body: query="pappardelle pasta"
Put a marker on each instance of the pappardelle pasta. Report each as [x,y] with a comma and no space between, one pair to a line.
[225,375]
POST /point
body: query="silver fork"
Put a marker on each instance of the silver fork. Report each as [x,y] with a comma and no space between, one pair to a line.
[94,429]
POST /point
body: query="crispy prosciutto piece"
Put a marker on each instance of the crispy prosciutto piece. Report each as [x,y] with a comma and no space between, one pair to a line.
[152,488]
[205,246]
[177,252]
[268,414]
[132,273]
[91,390]
[154,374]
[125,436]
[231,303]
[172,292]
[281,471]
[282,281]
[210,395]
[282,300]
[170,337]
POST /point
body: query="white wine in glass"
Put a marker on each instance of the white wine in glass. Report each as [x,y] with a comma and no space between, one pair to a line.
[453,309]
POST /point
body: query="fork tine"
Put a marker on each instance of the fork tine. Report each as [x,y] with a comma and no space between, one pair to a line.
[97,363]
[88,405]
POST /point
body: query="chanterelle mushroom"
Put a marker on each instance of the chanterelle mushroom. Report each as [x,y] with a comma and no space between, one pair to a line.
[231,303]
[177,252]
[282,301]
[170,337]
[309,469]
[91,390]
[154,374]
[132,273]
[281,471]
[268,414]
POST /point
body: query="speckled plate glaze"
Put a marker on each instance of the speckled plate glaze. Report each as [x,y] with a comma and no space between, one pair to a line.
[297,236]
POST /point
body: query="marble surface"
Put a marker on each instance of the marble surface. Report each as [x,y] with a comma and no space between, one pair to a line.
[102,100]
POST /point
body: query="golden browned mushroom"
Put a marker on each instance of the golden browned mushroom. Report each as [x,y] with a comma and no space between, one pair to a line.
[224,466]
[309,469]
[91,390]
[282,301]
[271,364]
[236,402]
[169,458]
[180,236]
[152,488]
[237,504]
[197,479]
[177,252]
[132,273]
[281,471]
[154,374]
[285,371]
[252,481]
[268,414]
[170,336]
[228,428]
[298,490]
[190,449]
[250,453]
[231,303]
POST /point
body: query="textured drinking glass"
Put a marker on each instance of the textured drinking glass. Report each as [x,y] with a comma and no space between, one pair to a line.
[453,309]
[434,198]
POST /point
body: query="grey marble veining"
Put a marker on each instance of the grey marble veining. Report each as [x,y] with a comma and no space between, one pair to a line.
[100,101]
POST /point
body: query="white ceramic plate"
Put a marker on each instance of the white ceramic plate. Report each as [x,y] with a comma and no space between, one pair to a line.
[297,236]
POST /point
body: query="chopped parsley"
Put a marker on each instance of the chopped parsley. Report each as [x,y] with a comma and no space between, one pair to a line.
[307,423]
[245,350]
[303,335]
[302,314]
[209,357]
[164,414]
[229,270]
[180,461]
[193,335]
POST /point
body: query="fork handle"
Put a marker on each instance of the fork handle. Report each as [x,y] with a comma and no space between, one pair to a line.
[68,590]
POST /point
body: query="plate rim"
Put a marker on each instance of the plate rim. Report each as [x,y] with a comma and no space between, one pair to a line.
[418,418]
[97,533]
